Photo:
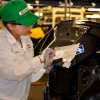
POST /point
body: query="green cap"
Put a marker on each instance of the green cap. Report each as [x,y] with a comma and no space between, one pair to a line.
[0,12]
[17,11]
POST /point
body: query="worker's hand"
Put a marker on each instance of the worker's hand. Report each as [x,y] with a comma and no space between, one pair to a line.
[48,57]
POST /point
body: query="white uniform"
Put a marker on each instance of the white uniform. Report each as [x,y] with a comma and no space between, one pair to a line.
[16,66]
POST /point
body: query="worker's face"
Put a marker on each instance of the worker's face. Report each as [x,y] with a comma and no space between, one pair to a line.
[19,29]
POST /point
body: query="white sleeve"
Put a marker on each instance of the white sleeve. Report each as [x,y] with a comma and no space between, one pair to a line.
[38,71]
[36,76]
[13,69]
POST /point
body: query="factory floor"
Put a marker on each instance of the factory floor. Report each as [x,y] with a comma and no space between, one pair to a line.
[37,88]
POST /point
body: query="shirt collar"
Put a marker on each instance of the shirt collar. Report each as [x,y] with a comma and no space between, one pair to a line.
[9,36]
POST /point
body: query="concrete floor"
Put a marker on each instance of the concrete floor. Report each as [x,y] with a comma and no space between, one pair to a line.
[37,88]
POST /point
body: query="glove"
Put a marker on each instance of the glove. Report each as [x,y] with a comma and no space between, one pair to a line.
[48,57]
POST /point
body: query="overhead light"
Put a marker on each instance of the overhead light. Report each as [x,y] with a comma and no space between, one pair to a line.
[93,9]
[38,14]
[37,1]
[71,3]
[93,16]
[30,6]
[41,14]
[67,14]
[93,4]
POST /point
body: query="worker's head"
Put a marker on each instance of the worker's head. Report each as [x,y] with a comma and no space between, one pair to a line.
[17,11]
[17,17]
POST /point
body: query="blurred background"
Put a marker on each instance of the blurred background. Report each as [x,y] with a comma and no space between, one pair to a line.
[51,12]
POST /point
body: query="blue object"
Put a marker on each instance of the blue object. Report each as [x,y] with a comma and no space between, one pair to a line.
[80,50]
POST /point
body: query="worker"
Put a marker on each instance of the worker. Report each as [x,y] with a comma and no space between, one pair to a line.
[18,66]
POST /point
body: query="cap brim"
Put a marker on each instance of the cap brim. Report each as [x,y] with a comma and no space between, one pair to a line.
[28,20]
[0,12]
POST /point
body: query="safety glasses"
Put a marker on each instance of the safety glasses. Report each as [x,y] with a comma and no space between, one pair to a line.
[14,23]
